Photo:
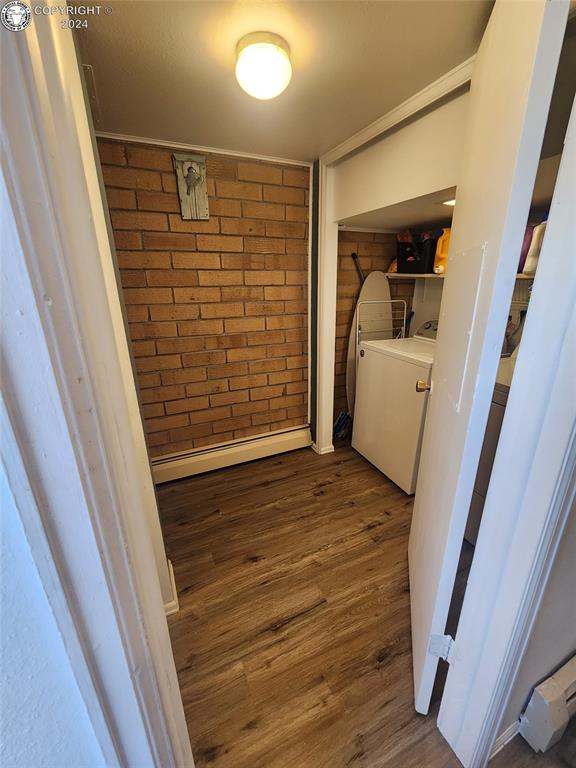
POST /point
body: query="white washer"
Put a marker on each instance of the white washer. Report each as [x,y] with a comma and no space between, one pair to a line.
[389,414]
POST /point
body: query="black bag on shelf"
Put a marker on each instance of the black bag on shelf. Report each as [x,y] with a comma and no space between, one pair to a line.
[416,258]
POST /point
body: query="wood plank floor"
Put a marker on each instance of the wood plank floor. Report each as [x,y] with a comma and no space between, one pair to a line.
[293,640]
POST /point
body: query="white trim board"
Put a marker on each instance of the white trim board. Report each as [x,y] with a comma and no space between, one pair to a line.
[451,81]
[505,738]
[197,148]
[178,466]
[80,472]
[172,606]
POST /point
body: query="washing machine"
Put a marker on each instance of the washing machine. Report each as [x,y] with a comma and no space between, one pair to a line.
[390,408]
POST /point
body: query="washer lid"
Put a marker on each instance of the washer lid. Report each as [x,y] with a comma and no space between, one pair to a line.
[411,350]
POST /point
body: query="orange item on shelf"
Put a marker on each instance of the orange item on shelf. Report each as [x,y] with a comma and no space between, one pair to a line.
[394,266]
[441,256]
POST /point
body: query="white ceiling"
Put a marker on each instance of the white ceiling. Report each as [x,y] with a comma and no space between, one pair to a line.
[165,70]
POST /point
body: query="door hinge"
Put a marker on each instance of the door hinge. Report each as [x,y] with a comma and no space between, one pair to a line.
[441,646]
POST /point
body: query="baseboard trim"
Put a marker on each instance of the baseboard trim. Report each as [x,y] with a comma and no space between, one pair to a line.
[172,606]
[323,451]
[169,468]
[510,732]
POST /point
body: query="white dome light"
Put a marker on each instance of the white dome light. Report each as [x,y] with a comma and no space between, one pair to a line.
[263,67]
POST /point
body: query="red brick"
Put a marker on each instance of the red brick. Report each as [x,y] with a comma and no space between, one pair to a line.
[132,278]
[187,405]
[239,189]
[174,312]
[121,198]
[243,261]
[173,241]
[189,260]
[269,416]
[158,363]
[143,348]
[242,227]
[227,370]
[277,293]
[247,293]
[228,424]
[143,259]
[219,207]
[251,353]
[221,167]
[201,417]
[148,295]
[243,324]
[264,245]
[220,277]
[111,152]
[223,310]
[264,366]
[178,224]
[294,213]
[254,210]
[183,295]
[266,337]
[265,278]
[142,157]
[226,243]
[200,327]
[284,195]
[160,394]
[175,277]
[297,177]
[128,240]
[207,387]
[152,330]
[285,229]
[137,220]
[178,345]
[208,357]
[131,178]
[228,398]
[166,422]
[270,174]
[158,201]
[136,312]
[255,406]
[260,308]
[266,393]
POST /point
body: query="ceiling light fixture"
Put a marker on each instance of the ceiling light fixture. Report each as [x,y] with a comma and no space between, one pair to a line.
[449,202]
[263,67]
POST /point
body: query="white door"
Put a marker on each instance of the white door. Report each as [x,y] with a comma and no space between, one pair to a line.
[511,89]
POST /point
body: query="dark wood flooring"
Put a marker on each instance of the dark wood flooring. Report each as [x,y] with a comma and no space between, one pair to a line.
[293,640]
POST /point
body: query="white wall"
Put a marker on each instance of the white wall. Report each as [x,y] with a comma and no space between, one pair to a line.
[43,720]
[421,157]
[553,637]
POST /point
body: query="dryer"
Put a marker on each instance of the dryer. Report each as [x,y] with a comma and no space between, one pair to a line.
[389,414]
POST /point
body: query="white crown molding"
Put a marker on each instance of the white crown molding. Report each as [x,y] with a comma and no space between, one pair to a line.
[197,148]
[449,83]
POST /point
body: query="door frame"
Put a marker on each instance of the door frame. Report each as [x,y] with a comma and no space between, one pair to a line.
[73,444]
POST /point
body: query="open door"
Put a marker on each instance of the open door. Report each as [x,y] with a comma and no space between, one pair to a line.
[511,90]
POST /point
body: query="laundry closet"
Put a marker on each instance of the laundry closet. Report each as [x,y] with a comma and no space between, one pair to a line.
[394,201]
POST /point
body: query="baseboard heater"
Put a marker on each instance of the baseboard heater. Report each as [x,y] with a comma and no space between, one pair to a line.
[550,708]
[186,463]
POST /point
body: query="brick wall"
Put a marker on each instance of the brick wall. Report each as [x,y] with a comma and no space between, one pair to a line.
[217,309]
[375,251]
